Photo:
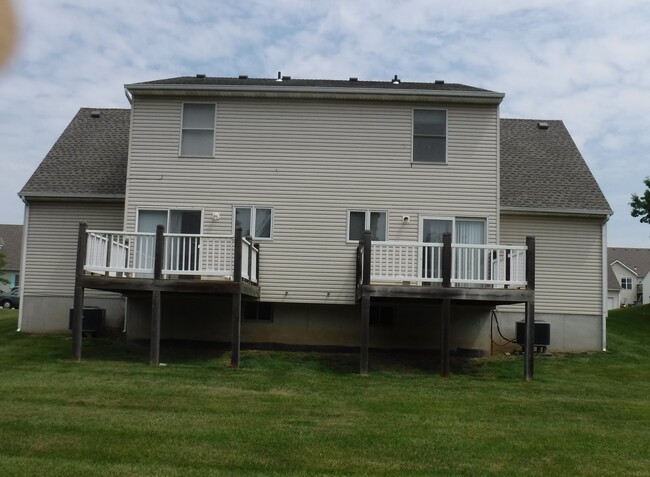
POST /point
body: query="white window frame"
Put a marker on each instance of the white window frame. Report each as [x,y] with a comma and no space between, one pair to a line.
[168,210]
[366,223]
[446,158]
[214,129]
[453,221]
[624,280]
[253,217]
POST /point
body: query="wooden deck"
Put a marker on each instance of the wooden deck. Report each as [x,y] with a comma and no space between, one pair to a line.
[145,264]
[439,273]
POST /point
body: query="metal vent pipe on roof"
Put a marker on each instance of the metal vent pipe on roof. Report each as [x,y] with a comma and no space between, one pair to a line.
[200,75]
[542,125]
[95,114]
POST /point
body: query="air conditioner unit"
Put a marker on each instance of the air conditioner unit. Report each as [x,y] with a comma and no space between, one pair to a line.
[542,335]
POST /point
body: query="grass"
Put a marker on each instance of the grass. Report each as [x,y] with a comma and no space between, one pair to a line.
[311,414]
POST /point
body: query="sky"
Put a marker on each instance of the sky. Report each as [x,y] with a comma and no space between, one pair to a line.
[584,62]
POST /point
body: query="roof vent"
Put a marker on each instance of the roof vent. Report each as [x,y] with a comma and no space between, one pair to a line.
[95,114]
[395,80]
[279,76]
[200,75]
[243,76]
[542,125]
[440,82]
[286,78]
[354,79]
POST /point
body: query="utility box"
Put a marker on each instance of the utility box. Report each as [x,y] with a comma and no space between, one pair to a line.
[542,333]
[94,318]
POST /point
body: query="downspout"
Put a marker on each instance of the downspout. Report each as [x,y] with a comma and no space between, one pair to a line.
[604,284]
[128,96]
[23,264]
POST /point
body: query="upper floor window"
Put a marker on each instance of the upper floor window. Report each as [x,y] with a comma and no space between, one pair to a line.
[256,222]
[197,135]
[430,135]
[626,283]
[360,220]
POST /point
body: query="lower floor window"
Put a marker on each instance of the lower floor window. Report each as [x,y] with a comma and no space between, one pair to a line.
[361,220]
[256,222]
[257,311]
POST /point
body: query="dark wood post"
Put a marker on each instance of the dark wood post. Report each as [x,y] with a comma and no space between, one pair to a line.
[445,325]
[257,265]
[446,260]
[365,335]
[367,258]
[156,310]
[529,365]
[236,300]
[78,304]
[250,258]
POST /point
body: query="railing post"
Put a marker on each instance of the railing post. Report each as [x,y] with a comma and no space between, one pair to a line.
[446,260]
[257,264]
[529,366]
[159,251]
[236,301]
[77,312]
[109,251]
[367,244]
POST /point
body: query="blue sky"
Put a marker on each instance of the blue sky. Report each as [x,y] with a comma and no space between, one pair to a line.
[585,62]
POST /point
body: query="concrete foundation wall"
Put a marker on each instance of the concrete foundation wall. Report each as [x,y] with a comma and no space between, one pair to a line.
[569,333]
[413,327]
[50,314]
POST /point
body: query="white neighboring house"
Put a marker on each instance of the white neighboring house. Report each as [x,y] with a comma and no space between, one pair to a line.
[11,240]
[631,266]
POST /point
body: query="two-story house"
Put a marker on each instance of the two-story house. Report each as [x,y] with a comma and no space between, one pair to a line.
[631,266]
[304,167]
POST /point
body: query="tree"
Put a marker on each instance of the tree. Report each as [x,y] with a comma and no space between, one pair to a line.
[641,204]
[2,267]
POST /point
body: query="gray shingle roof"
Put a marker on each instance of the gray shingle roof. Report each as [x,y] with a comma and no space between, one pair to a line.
[12,238]
[88,159]
[612,281]
[315,83]
[543,169]
[637,259]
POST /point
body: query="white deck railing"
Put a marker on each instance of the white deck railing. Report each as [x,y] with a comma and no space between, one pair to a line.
[421,262]
[132,254]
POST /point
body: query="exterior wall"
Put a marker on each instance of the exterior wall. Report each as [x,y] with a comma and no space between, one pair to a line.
[13,276]
[48,278]
[569,277]
[312,162]
[645,289]
[627,297]
[415,327]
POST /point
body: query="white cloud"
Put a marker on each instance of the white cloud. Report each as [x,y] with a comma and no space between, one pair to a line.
[586,62]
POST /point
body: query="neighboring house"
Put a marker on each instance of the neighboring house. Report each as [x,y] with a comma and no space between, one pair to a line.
[631,267]
[304,167]
[613,290]
[11,241]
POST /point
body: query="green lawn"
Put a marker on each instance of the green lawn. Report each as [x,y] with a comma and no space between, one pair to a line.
[311,414]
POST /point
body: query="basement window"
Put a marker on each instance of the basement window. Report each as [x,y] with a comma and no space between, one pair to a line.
[257,311]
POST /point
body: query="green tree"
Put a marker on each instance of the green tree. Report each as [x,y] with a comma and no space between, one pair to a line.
[641,203]
[3,261]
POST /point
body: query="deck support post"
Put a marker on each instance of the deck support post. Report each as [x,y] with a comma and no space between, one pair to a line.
[156,309]
[445,325]
[365,335]
[529,367]
[77,313]
[366,241]
[236,300]
[445,307]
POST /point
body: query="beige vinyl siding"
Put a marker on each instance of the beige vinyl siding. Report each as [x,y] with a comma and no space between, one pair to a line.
[312,162]
[568,261]
[52,243]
